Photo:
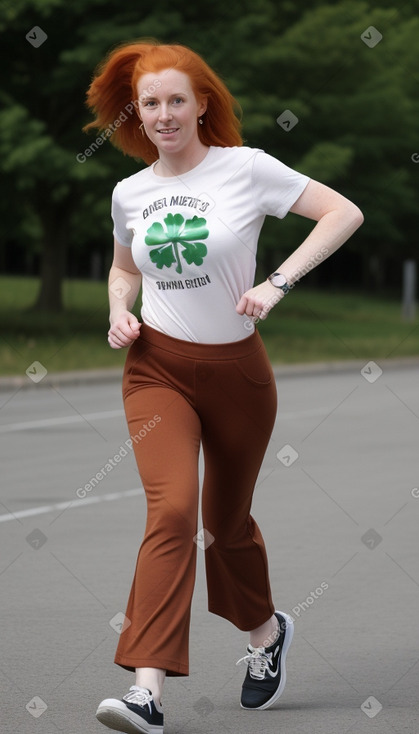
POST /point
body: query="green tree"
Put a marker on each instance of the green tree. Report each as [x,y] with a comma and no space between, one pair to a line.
[356,106]
[357,114]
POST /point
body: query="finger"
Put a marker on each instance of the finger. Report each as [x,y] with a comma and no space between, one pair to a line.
[266,308]
[123,331]
[254,308]
[241,306]
[250,308]
[134,323]
[119,337]
[115,343]
[132,331]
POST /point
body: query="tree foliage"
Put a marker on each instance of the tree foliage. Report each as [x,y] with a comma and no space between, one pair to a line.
[356,104]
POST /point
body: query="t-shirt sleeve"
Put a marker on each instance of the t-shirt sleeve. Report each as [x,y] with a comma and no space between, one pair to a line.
[120,230]
[276,186]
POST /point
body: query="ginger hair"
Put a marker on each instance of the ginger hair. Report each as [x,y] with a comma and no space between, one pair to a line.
[113,96]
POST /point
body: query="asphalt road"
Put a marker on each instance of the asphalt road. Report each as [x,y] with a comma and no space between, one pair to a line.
[338,503]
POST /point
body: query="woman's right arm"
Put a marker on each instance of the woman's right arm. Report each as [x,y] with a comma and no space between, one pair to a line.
[124,286]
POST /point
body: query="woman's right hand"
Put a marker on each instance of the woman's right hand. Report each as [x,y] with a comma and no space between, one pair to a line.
[124,330]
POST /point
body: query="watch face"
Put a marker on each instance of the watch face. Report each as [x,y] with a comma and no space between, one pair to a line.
[279,279]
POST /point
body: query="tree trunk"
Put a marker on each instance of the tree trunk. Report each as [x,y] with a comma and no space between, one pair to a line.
[54,222]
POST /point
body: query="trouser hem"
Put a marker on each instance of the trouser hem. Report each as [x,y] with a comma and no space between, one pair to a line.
[171,667]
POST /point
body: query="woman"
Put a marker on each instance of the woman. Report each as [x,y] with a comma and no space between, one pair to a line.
[186,228]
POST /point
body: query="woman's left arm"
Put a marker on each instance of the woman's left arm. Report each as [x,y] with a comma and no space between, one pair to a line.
[337,219]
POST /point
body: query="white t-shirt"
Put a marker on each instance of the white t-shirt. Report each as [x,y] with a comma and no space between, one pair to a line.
[194,238]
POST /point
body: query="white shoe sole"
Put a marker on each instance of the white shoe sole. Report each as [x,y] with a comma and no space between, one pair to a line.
[289,633]
[115,715]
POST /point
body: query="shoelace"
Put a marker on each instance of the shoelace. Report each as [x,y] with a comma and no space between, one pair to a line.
[258,661]
[139,696]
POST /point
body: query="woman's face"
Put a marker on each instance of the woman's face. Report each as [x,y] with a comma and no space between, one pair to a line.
[169,110]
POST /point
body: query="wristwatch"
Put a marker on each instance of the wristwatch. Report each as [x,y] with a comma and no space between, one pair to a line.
[279,281]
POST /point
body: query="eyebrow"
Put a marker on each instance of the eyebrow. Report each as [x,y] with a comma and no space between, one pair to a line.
[148,97]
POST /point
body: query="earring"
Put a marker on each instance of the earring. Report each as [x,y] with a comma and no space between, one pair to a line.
[200,120]
[141,127]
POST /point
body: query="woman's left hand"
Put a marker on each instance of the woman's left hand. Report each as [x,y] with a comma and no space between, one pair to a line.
[258,301]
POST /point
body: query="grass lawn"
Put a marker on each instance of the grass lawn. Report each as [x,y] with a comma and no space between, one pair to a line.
[307,326]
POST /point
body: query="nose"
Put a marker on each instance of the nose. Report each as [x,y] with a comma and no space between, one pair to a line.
[165,113]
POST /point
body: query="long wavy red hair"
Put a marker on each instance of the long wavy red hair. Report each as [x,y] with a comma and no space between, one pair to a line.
[113,96]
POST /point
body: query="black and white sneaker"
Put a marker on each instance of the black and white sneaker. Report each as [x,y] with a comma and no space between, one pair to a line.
[136,713]
[266,674]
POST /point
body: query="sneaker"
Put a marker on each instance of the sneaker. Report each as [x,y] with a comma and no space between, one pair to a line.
[136,713]
[266,675]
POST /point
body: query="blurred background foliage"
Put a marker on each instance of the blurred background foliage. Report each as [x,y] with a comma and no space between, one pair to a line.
[357,107]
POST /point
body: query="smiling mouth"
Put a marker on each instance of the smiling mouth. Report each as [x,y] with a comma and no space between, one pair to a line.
[168,130]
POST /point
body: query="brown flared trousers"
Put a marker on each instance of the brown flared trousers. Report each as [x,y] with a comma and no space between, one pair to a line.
[179,395]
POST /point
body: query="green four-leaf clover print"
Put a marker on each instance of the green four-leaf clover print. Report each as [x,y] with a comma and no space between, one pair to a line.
[178,234]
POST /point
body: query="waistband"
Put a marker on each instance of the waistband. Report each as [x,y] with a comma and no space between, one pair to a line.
[197,350]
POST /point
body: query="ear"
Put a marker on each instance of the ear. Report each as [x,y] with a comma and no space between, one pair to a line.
[203,106]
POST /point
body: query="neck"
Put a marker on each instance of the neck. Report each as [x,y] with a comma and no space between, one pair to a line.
[176,164]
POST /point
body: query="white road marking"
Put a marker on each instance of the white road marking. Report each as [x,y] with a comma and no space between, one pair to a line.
[60,421]
[70,505]
[104,415]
